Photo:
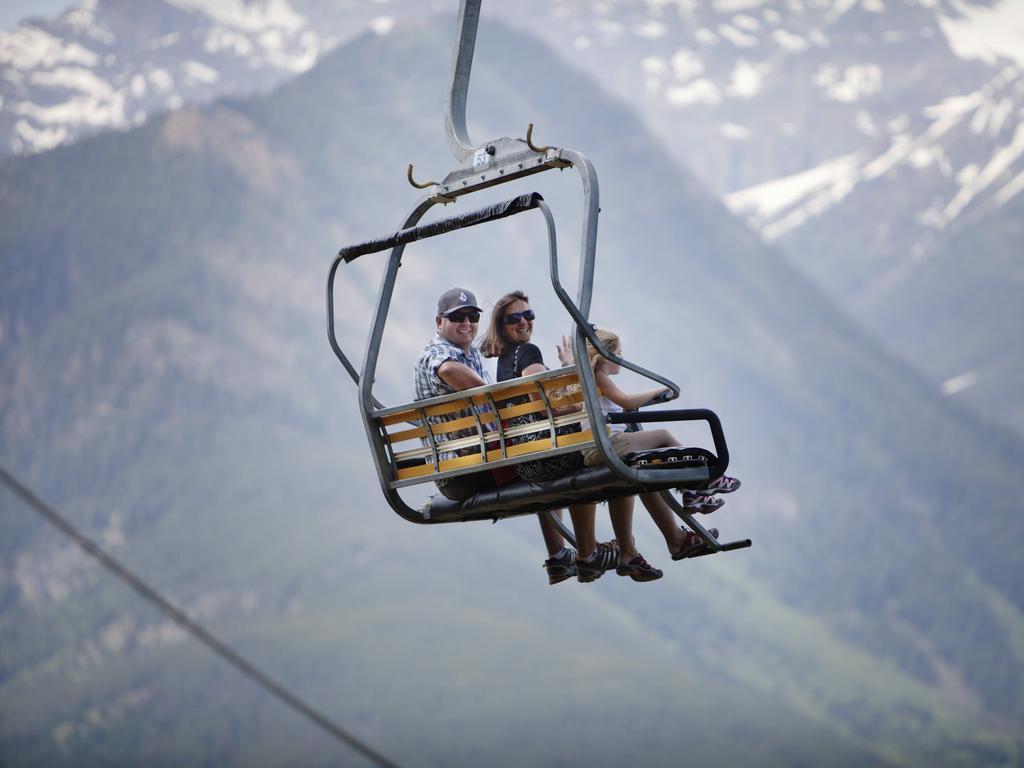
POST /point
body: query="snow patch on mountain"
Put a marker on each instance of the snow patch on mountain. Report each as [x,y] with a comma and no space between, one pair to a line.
[735,6]
[76,78]
[737,37]
[382,24]
[25,133]
[730,63]
[701,91]
[1011,190]
[82,20]
[1001,161]
[649,29]
[269,15]
[110,65]
[959,383]
[199,72]
[851,84]
[734,131]
[778,206]
[686,64]
[745,80]
[986,33]
[789,41]
[29,47]
[103,106]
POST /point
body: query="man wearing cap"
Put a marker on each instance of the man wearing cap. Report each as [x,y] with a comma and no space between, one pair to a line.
[450,363]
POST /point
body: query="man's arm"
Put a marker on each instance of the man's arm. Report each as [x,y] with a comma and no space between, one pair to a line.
[459,376]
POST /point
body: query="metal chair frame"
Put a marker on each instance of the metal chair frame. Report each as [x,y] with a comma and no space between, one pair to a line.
[482,166]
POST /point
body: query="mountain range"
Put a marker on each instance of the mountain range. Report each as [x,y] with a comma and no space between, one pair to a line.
[167,382]
[860,137]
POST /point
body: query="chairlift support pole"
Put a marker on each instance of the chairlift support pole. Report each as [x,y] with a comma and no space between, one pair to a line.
[462,66]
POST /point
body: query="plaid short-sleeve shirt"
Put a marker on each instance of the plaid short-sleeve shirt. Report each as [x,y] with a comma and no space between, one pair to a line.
[428,384]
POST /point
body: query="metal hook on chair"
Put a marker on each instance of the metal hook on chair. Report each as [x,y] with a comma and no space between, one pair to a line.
[529,140]
[415,184]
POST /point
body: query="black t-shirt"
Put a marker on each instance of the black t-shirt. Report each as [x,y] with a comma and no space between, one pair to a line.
[510,366]
[517,358]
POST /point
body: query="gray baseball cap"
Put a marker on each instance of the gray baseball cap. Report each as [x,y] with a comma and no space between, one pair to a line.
[456,298]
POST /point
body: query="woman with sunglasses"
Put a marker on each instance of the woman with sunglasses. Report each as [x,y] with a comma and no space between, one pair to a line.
[508,335]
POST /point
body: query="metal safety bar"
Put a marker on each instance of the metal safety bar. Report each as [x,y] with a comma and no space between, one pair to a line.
[687,414]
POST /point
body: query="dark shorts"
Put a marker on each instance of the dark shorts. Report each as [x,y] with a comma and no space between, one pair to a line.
[464,486]
[553,466]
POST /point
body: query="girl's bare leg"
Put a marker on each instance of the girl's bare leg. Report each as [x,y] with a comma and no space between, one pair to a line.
[646,440]
[552,536]
[661,512]
[621,512]
[583,526]
[665,519]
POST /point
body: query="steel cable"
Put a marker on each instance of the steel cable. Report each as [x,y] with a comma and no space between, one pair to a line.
[246,667]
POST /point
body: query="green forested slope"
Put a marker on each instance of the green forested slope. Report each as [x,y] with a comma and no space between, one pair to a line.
[949,305]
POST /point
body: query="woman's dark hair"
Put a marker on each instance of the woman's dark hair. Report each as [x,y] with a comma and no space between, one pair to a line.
[494,342]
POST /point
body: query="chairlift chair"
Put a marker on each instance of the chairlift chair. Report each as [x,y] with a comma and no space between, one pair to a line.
[406,442]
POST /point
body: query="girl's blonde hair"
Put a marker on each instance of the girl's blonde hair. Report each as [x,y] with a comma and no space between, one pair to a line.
[611,342]
[495,343]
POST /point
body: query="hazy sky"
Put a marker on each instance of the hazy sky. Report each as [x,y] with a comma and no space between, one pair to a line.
[13,11]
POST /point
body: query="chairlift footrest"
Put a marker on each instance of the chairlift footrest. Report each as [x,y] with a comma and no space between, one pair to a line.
[589,484]
[670,458]
[699,550]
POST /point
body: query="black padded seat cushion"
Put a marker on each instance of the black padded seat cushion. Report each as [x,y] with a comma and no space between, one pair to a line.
[588,484]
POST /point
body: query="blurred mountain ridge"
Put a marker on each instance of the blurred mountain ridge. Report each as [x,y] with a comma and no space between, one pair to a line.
[858,136]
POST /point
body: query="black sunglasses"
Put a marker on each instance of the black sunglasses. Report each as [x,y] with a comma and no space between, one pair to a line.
[458,315]
[513,317]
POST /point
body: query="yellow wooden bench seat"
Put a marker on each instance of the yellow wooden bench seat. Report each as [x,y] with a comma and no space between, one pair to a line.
[421,448]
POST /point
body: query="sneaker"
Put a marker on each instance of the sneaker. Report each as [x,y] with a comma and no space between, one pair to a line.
[639,569]
[691,542]
[696,501]
[724,484]
[604,558]
[562,567]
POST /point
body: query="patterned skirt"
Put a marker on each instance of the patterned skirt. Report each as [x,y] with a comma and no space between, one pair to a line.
[547,468]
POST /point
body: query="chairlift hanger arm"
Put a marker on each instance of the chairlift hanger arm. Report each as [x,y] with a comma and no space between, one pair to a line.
[462,65]
[495,161]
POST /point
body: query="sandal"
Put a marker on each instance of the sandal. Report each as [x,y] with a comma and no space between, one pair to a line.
[639,569]
[692,542]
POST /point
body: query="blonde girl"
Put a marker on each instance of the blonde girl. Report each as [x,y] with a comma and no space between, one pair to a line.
[615,400]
